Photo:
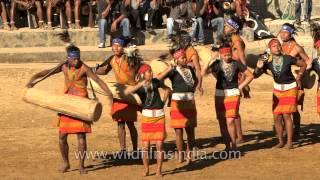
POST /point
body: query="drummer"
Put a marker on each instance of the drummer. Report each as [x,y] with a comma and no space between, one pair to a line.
[76,74]
[123,112]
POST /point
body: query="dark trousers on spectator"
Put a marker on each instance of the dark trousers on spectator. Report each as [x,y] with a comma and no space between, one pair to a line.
[136,18]
[308,9]
[151,17]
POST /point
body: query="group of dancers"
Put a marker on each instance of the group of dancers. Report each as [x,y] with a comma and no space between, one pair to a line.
[233,77]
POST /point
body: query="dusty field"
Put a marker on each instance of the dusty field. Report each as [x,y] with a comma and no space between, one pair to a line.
[29,140]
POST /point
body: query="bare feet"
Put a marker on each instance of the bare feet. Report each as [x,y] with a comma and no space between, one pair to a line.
[159,174]
[189,158]
[83,171]
[234,147]
[279,145]
[228,147]
[78,26]
[289,146]
[69,25]
[65,168]
[13,27]
[240,141]
[146,173]
[6,27]
[49,27]
[41,24]
[180,157]
[188,161]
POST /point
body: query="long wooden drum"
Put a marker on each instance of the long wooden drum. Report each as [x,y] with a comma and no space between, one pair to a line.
[206,55]
[158,65]
[74,106]
[117,91]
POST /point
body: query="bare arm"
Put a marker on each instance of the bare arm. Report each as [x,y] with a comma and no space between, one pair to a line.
[215,10]
[240,51]
[195,61]
[206,69]
[204,7]
[102,84]
[116,22]
[304,56]
[105,13]
[127,3]
[133,89]
[103,70]
[247,80]
[162,75]
[105,67]
[238,8]
[119,19]
[259,69]
[36,78]
[303,66]
[23,3]
[167,92]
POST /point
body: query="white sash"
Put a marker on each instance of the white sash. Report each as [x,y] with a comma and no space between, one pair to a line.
[228,92]
[152,112]
[284,87]
[189,96]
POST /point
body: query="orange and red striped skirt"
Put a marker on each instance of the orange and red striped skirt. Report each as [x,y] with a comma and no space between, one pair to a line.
[71,125]
[123,111]
[227,106]
[284,102]
[153,128]
[183,114]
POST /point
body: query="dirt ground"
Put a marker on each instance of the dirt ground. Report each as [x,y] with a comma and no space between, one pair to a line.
[29,139]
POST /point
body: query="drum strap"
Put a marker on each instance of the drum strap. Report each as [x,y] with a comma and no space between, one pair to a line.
[93,92]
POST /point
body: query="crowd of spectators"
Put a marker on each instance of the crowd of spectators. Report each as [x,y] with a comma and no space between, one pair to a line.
[126,16]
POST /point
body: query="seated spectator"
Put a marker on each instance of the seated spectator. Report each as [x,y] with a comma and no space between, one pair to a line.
[215,21]
[197,32]
[56,3]
[233,7]
[3,12]
[90,9]
[180,10]
[50,5]
[119,18]
[227,8]
[152,11]
[77,5]
[104,9]
[240,7]
[139,9]
[308,11]
[206,10]
[28,4]
[12,14]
